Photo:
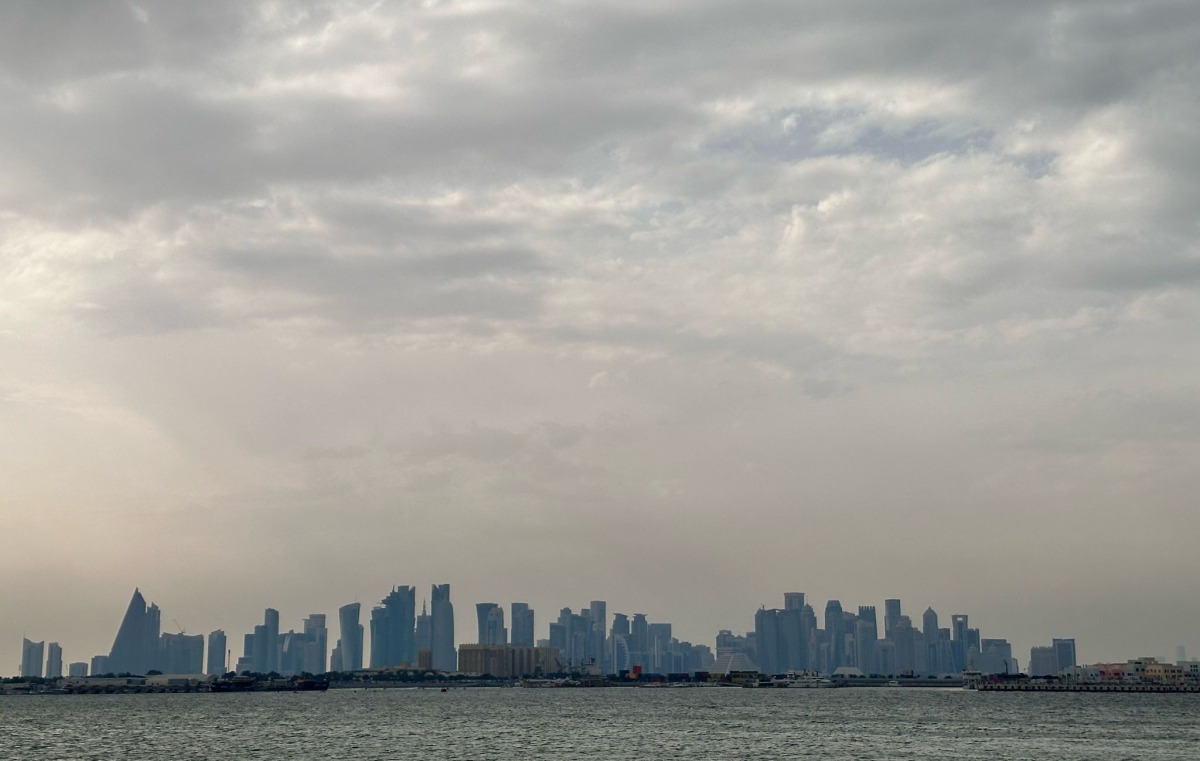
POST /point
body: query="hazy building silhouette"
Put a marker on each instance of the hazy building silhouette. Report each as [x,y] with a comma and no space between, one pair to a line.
[995,657]
[522,625]
[424,632]
[135,649]
[1042,661]
[441,634]
[660,648]
[271,643]
[217,649]
[316,644]
[891,617]
[866,640]
[835,637]
[77,670]
[767,640]
[100,665]
[351,643]
[490,617]
[958,640]
[393,622]
[903,637]
[1064,653]
[639,640]
[181,653]
[33,656]
[597,635]
[53,661]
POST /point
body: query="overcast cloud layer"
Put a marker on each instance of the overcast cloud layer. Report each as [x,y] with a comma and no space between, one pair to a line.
[680,305]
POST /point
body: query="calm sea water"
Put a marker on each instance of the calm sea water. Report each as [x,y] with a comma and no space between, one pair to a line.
[603,724]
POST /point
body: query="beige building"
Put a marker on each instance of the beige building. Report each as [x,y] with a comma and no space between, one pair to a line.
[508,662]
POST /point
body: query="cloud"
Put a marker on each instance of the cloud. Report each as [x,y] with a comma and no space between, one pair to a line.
[655,281]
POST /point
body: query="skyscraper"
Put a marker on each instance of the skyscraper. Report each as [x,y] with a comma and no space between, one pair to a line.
[958,640]
[1064,653]
[891,616]
[866,637]
[216,653]
[271,621]
[484,615]
[181,653]
[393,623]
[598,635]
[442,629]
[53,661]
[424,631]
[33,656]
[316,644]
[351,641]
[135,649]
[767,640]
[835,635]
[522,625]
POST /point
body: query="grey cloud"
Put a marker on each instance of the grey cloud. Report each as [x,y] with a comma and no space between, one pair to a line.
[669,277]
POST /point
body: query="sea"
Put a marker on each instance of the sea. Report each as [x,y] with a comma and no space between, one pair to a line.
[603,723]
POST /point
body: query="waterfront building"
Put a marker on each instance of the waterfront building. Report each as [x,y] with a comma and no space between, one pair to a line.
[271,643]
[793,642]
[995,657]
[490,617]
[522,625]
[424,630]
[902,636]
[351,642]
[393,622]
[33,656]
[891,617]
[442,629]
[1042,661]
[53,661]
[834,636]
[217,650]
[597,644]
[100,665]
[767,641]
[135,648]
[258,649]
[1064,653]
[316,644]
[958,640]
[618,644]
[509,662]
[77,670]
[181,653]
[660,648]
[866,639]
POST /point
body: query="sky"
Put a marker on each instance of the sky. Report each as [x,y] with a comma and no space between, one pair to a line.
[679,305]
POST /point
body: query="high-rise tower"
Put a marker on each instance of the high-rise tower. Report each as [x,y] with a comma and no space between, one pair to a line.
[33,656]
[216,653]
[351,641]
[135,649]
[522,625]
[441,627]
[393,623]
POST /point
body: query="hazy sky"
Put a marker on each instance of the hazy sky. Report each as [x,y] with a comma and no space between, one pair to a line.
[681,305]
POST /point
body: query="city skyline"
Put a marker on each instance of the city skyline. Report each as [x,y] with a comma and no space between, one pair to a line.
[779,639]
[674,305]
